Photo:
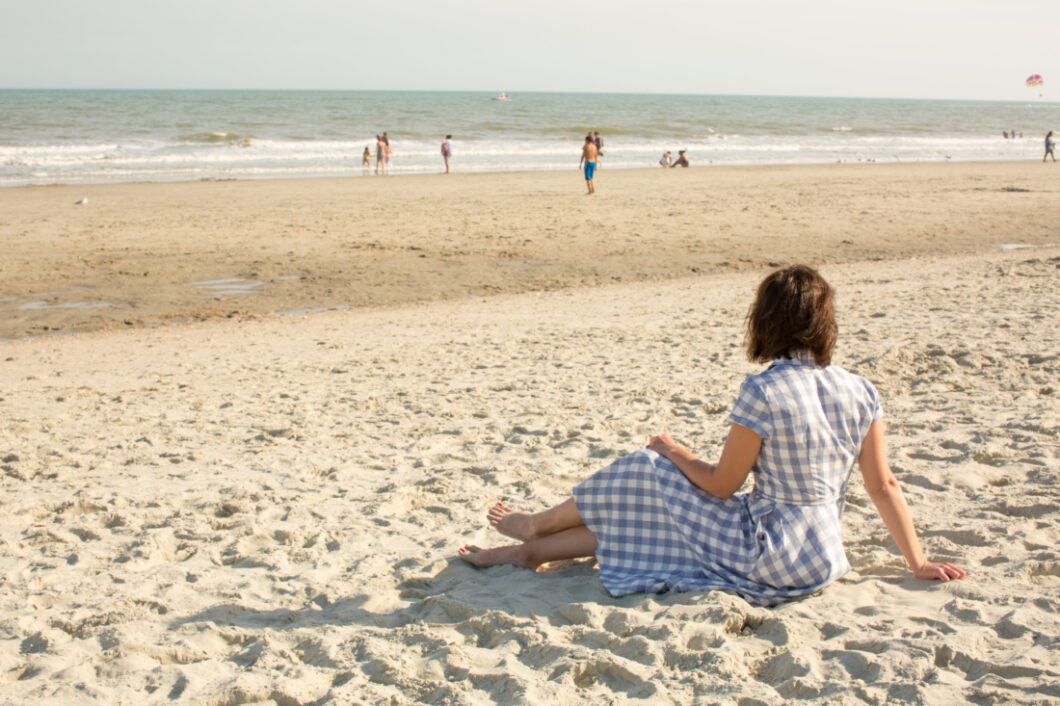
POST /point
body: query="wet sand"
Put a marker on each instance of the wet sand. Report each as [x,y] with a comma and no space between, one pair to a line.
[141,254]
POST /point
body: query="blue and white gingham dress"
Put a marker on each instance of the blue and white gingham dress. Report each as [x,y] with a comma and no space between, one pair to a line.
[657,532]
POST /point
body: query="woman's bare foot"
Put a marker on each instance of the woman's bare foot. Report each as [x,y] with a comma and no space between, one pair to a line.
[517,525]
[482,558]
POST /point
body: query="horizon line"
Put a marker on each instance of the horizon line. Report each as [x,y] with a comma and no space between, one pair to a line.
[1039,98]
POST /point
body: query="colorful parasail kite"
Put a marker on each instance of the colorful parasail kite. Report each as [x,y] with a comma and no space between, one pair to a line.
[1035,80]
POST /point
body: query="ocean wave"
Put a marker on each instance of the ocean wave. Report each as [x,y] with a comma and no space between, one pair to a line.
[213,138]
[83,137]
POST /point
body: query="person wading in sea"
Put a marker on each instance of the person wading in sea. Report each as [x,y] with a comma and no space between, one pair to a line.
[447,151]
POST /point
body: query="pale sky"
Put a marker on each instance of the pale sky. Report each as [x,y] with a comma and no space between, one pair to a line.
[965,49]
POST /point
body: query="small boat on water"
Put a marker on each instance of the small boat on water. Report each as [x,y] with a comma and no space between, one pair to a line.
[502,97]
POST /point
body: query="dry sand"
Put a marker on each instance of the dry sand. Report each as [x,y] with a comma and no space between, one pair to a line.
[267,509]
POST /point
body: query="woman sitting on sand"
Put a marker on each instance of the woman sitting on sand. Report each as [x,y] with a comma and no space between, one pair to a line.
[660,519]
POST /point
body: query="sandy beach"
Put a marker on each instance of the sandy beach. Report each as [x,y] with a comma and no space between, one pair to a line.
[207,502]
[138,254]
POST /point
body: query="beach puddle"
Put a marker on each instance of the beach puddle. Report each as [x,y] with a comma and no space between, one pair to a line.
[1023,246]
[236,286]
[227,287]
[50,312]
[35,305]
[40,301]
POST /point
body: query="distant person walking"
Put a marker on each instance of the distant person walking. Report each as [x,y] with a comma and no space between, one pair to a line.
[682,160]
[366,157]
[1049,146]
[599,142]
[447,151]
[589,161]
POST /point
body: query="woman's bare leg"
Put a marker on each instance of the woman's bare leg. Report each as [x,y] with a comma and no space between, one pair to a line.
[526,526]
[570,543]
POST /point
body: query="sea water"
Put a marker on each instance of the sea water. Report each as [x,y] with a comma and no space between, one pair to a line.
[51,136]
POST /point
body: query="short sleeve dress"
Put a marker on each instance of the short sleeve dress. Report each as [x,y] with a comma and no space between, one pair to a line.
[658,532]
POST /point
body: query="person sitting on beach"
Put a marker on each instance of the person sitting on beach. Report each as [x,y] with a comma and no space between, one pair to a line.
[660,519]
[666,161]
[1049,146]
[682,160]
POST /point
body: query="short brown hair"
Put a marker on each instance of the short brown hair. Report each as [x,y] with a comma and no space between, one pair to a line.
[792,311]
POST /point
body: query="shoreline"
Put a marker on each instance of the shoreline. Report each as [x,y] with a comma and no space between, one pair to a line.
[369,173]
[151,253]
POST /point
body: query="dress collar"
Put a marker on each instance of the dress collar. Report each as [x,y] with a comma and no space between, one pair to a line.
[799,357]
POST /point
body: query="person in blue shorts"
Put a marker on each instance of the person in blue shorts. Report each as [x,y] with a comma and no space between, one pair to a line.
[661,520]
[589,161]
